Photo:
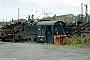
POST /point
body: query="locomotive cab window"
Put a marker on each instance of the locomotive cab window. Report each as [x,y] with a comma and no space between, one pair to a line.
[41,29]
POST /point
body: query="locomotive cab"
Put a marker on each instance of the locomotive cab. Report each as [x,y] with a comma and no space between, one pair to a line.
[46,30]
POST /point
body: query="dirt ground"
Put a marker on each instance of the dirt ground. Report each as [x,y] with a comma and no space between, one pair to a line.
[40,51]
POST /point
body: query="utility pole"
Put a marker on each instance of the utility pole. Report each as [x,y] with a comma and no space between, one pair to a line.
[86,12]
[18,14]
[81,12]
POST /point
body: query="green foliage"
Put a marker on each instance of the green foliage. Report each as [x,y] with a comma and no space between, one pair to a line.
[74,40]
[32,17]
[12,19]
[68,41]
[88,39]
[70,17]
[77,41]
[54,17]
[43,18]
[29,18]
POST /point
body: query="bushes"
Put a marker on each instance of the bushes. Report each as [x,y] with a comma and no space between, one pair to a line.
[88,38]
[82,41]
[74,40]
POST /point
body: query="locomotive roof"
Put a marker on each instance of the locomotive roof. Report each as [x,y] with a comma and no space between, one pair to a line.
[48,22]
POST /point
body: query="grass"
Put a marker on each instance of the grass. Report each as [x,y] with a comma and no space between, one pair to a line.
[79,41]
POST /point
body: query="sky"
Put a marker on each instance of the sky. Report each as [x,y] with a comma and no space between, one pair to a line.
[9,8]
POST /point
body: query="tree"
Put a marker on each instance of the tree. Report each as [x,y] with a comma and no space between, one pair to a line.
[54,17]
[12,19]
[29,18]
[32,17]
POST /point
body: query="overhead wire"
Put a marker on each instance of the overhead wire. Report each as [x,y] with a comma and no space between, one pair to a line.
[41,8]
[43,12]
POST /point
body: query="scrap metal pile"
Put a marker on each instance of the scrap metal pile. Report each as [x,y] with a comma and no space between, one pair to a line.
[24,30]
